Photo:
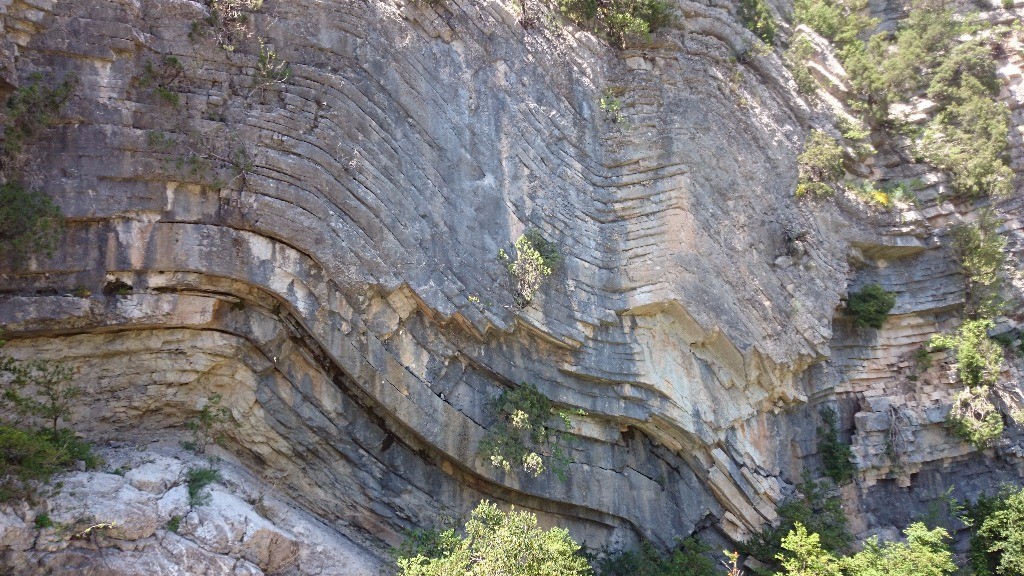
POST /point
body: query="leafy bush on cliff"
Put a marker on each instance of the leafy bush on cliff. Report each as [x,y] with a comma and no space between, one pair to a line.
[620,21]
[820,165]
[835,454]
[535,260]
[29,110]
[870,305]
[978,248]
[974,417]
[758,19]
[495,542]
[997,539]
[689,558]
[30,222]
[979,360]
[522,438]
[925,553]
[34,397]
[840,21]
[816,507]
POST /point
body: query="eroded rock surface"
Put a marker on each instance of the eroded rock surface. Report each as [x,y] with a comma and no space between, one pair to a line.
[322,253]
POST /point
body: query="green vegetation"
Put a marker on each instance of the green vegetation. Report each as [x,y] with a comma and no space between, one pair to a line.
[925,553]
[174,523]
[535,260]
[620,21]
[978,248]
[758,19]
[229,21]
[795,58]
[840,21]
[494,542]
[30,222]
[29,110]
[690,557]
[43,521]
[34,397]
[968,136]
[611,106]
[975,418]
[821,166]
[870,306]
[269,69]
[835,454]
[198,480]
[978,359]
[522,437]
[815,507]
[208,425]
[997,538]
[165,79]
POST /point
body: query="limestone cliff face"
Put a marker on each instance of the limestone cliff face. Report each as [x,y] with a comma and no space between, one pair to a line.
[322,252]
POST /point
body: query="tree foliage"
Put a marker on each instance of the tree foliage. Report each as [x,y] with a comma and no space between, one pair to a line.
[820,165]
[522,436]
[978,248]
[30,222]
[620,21]
[835,454]
[689,558]
[997,540]
[870,305]
[496,543]
[816,507]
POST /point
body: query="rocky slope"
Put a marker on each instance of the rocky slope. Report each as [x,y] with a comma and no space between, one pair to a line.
[321,251]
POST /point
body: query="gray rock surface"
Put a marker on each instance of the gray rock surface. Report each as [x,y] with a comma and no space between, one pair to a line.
[322,253]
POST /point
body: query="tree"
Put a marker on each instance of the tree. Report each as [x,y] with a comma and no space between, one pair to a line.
[923,554]
[1001,536]
[496,543]
[805,555]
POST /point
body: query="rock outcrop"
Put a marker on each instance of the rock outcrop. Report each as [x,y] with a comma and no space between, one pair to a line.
[319,248]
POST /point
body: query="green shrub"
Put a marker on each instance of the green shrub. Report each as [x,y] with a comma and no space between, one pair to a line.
[997,533]
[758,19]
[496,542]
[29,458]
[521,436]
[30,222]
[978,248]
[815,507]
[41,393]
[29,110]
[795,58]
[43,521]
[820,165]
[208,425]
[198,480]
[536,259]
[690,557]
[174,523]
[969,139]
[979,360]
[840,21]
[620,21]
[974,417]
[925,553]
[835,454]
[870,306]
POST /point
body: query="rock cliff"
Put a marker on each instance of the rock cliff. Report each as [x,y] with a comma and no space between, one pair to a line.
[319,248]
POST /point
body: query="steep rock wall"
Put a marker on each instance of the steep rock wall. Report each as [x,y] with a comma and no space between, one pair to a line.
[323,253]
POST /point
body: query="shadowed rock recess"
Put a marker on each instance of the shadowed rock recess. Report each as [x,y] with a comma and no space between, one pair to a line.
[322,251]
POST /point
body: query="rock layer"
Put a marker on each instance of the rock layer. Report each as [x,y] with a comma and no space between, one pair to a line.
[322,252]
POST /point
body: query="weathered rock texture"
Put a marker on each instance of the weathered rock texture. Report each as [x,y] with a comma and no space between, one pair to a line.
[322,252]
